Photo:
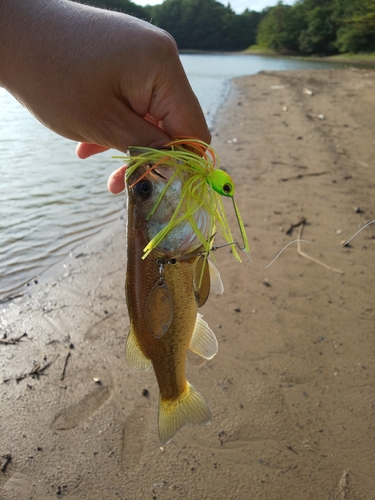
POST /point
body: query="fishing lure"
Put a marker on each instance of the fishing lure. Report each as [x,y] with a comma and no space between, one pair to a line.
[196,164]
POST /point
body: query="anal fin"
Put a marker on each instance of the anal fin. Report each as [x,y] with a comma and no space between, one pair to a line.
[134,357]
[188,408]
[203,341]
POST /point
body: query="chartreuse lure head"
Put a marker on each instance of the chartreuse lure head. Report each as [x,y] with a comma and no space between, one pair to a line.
[221,182]
[187,155]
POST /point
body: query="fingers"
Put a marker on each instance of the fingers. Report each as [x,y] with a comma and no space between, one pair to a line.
[116,181]
[185,118]
[85,149]
[176,106]
[122,128]
[131,129]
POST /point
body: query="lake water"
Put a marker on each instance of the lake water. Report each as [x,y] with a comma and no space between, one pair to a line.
[50,201]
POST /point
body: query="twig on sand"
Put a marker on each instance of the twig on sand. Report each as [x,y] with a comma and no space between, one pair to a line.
[34,372]
[303,254]
[301,176]
[11,297]
[64,367]
[5,461]
[13,340]
[292,226]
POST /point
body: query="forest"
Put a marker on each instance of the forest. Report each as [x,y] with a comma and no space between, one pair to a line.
[309,27]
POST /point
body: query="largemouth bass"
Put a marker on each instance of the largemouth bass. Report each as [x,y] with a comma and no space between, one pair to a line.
[170,228]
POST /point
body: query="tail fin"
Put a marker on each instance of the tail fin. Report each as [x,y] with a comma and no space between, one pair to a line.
[188,408]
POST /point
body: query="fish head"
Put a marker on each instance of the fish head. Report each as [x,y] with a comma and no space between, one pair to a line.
[156,193]
[145,186]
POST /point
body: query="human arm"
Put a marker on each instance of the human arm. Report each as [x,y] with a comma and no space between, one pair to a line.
[102,78]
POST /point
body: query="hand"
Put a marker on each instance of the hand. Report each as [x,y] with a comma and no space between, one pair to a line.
[102,78]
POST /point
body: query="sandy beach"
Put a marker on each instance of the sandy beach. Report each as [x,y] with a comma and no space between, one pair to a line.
[292,388]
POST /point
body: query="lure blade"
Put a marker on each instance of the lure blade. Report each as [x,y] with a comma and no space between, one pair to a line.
[159,309]
[201,281]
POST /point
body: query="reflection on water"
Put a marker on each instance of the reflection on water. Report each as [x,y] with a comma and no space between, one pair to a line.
[50,200]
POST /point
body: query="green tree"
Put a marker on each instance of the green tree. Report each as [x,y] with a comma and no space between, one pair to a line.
[318,35]
[248,23]
[278,29]
[204,24]
[356,32]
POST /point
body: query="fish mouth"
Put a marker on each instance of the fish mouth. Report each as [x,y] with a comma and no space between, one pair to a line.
[182,239]
[156,172]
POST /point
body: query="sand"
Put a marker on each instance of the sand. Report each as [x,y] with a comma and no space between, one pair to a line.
[292,388]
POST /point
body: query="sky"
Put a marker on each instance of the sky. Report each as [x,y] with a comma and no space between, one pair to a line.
[237,5]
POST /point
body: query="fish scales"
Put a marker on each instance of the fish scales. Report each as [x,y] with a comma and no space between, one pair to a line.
[168,354]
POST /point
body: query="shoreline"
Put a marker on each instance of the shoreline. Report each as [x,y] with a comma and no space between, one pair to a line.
[291,388]
[362,59]
[357,60]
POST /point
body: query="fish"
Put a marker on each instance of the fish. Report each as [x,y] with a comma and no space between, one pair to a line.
[171,224]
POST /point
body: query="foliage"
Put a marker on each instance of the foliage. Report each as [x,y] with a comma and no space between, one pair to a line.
[319,26]
[205,24]
[308,27]
[357,25]
[277,30]
[319,32]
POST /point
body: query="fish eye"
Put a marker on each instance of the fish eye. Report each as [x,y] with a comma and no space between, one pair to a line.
[143,189]
[227,188]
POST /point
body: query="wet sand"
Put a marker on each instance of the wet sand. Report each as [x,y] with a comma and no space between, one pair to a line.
[292,388]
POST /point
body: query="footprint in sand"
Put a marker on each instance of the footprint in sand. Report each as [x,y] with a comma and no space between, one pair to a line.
[23,487]
[74,415]
[135,436]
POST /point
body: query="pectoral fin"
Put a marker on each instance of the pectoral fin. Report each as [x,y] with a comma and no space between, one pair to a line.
[216,282]
[203,341]
[134,356]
